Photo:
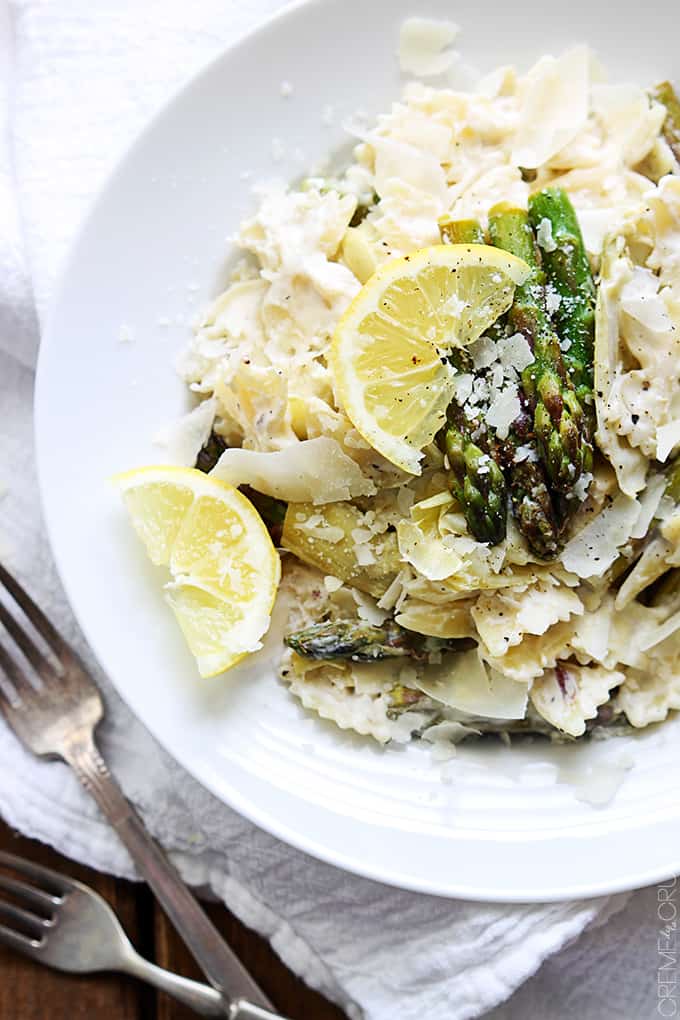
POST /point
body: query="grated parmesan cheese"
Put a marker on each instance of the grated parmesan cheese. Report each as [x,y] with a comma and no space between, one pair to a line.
[553,300]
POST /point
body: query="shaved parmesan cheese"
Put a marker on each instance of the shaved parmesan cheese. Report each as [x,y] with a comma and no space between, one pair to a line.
[392,593]
[660,634]
[595,783]
[595,224]
[484,352]
[515,352]
[641,300]
[463,682]
[593,550]
[463,383]
[552,302]
[667,438]
[423,46]
[631,122]
[651,565]
[649,502]
[445,735]
[426,552]
[412,167]
[544,236]
[503,411]
[367,609]
[569,695]
[449,621]
[312,471]
[591,633]
[554,107]
[184,438]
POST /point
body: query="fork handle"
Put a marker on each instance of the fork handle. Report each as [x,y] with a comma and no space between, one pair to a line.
[220,965]
[203,999]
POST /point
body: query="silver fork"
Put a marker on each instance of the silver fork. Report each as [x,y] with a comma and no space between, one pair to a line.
[54,708]
[66,925]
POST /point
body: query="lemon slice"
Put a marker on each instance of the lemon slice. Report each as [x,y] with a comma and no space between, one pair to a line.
[225,569]
[388,355]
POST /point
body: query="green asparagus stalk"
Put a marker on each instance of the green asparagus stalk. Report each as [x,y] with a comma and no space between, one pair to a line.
[665,94]
[475,478]
[559,421]
[210,452]
[460,231]
[673,480]
[272,511]
[531,502]
[360,642]
[568,272]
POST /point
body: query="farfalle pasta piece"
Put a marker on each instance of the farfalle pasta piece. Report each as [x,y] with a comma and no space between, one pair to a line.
[353,698]
[290,225]
[502,619]
[451,620]
[637,338]
[569,695]
[647,696]
[534,653]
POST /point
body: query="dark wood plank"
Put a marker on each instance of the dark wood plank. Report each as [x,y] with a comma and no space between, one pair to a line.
[293,998]
[31,992]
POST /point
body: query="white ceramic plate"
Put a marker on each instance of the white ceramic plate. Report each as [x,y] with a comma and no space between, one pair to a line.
[495,823]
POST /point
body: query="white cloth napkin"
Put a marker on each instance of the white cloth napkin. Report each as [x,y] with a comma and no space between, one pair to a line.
[77,81]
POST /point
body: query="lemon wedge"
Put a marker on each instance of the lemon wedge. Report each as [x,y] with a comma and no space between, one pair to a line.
[389,351]
[225,569]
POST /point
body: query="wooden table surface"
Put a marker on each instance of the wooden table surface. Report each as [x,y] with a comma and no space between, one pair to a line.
[31,992]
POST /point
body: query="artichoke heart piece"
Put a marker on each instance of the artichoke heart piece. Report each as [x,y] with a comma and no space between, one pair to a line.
[326,537]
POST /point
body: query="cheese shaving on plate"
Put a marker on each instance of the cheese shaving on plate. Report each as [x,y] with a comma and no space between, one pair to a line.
[424,46]
[314,470]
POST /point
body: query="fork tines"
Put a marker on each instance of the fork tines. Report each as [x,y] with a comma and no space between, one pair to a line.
[35,902]
[45,665]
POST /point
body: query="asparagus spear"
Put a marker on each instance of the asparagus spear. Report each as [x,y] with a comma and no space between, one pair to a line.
[475,478]
[361,642]
[272,511]
[532,505]
[460,231]
[210,452]
[665,94]
[559,422]
[673,481]
[568,272]
[530,496]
